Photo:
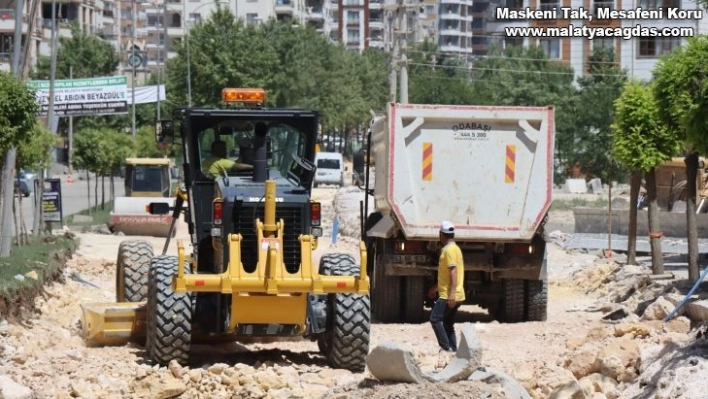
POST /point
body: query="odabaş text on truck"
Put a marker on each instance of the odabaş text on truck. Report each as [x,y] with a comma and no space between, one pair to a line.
[486,169]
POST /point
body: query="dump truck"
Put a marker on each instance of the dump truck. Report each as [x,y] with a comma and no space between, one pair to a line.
[145,180]
[250,276]
[489,171]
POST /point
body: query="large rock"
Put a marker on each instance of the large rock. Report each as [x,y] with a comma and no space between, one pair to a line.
[658,310]
[619,360]
[598,383]
[512,388]
[583,362]
[467,359]
[158,386]
[569,390]
[9,389]
[388,362]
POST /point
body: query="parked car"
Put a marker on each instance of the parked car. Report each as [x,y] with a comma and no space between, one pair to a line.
[22,187]
[330,168]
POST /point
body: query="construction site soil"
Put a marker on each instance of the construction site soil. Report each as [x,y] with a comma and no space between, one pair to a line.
[579,352]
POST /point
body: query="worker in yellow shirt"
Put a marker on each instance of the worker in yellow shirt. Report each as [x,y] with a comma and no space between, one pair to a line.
[451,277]
[219,162]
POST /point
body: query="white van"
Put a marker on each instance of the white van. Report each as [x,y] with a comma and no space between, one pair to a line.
[330,168]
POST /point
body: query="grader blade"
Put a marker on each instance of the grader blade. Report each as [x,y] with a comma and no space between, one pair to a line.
[107,324]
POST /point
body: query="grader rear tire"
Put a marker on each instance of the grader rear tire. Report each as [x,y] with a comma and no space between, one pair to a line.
[169,324]
[346,344]
[132,268]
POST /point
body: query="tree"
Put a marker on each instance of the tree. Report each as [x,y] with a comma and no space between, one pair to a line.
[436,78]
[32,153]
[641,142]
[91,154]
[18,107]
[599,89]
[146,147]
[681,83]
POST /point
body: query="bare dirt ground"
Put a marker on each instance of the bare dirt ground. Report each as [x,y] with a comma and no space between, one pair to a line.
[575,354]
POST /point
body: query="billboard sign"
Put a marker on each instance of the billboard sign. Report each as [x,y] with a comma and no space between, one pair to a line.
[51,200]
[78,97]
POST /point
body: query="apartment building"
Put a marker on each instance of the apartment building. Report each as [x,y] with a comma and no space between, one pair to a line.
[455,27]
[638,55]
[88,14]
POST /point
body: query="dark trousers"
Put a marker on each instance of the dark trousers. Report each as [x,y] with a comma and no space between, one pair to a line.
[443,320]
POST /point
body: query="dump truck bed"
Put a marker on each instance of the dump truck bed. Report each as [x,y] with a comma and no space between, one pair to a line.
[487,169]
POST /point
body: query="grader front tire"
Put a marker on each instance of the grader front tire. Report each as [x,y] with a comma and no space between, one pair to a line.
[132,268]
[169,325]
[346,344]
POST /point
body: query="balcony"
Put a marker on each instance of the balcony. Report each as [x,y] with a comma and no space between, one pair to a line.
[480,49]
[452,16]
[451,48]
[375,4]
[376,23]
[107,14]
[316,14]
[284,7]
[376,43]
[7,19]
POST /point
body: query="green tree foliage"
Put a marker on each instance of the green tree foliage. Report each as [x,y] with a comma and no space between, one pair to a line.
[681,83]
[640,141]
[18,107]
[146,147]
[597,92]
[83,54]
[34,152]
[435,78]
[296,65]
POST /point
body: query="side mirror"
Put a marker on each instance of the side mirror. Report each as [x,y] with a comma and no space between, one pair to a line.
[164,132]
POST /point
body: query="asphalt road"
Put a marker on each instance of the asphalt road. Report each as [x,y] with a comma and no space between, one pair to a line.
[74,197]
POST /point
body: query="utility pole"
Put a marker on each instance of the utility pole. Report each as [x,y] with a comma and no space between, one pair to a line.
[39,217]
[403,35]
[71,129]
[393,68]
[164,46]
[133,72]
[8,183]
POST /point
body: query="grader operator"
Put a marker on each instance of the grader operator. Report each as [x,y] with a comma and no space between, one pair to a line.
[253,227]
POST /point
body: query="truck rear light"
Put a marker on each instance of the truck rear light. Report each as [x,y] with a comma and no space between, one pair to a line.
[218,207]
[403,246]
[521,249]
[315,212]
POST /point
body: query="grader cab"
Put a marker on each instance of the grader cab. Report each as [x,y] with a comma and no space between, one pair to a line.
[251,274]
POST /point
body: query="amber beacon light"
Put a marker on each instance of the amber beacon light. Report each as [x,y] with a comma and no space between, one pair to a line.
[232,95]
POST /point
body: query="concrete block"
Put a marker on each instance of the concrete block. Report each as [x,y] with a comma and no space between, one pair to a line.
[697,311]
[388,362]
[467,359]
[512,388]
[575,186]
[596,186]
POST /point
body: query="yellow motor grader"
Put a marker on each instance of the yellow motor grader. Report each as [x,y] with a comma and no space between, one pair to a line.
[251,275]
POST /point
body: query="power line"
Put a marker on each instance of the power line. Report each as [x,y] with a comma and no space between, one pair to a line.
[501,57]
[473,68]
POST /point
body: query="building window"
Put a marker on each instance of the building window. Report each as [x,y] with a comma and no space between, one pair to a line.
[353,17]
[515,4]
[352,35]
[195,18]
[429,10]
[657,46]
[353,2]
[251,19]
[551,47]
[597,4]
[606,42]
[547,5]
[657,4]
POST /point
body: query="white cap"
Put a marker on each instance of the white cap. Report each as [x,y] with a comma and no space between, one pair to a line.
[447,227]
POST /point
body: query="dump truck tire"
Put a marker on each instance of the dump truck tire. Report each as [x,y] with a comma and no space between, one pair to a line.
[169,324]
[414,299]
[347,343]
[513,301]
[536,300]
[133,267]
